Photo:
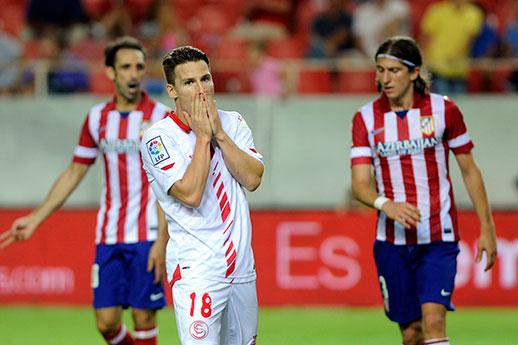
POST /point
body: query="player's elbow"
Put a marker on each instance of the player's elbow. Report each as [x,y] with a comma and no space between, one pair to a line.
[189,199]
[193,201]
[253,182]
[252,186]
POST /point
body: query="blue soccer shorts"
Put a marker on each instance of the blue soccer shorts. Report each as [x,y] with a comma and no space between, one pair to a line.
[411,275]
[120,277]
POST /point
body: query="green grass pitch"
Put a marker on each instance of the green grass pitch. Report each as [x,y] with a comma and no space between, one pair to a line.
[23,325]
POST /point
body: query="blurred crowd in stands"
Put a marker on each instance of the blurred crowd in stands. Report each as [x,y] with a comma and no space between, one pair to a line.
[266,47]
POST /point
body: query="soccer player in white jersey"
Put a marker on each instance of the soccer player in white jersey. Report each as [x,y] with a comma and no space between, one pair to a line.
[199,162]
[405,137]
[130,251]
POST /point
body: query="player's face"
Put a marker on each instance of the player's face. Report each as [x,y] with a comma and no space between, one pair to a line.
[191,78]
[395,79]
[128,74]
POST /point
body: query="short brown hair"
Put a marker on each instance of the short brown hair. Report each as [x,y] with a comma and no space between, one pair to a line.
[125,42]
[181,55]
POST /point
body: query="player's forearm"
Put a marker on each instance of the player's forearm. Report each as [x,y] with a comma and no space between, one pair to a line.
[362,186]
[364,192]
[163,234]
[189,190]
[477,192]
[247,170]
[60,191]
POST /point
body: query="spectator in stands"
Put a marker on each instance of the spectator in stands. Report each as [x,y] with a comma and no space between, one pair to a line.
[11,51]
[375,20]
[331,32]
[162,30]
[268,76]
[487,42]
[448,30]
[66,73]
[267,19]
[511,42]
[117,20]
[58,15]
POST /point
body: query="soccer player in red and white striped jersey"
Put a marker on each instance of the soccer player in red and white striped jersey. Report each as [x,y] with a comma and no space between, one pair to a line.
[129,262]
[404,138]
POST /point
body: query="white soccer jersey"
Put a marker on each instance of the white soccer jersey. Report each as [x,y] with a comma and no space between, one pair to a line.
[212,241]
[127,212]
[410,158]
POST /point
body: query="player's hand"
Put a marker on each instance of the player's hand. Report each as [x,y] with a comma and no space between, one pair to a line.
[156,261]
[487,244]
[21,229]
[406,214]
[198,120]
[212,113]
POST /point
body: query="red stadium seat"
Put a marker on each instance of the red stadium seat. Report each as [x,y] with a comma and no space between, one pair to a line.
[92,50]
[230,49]
[13,19]
[236,81]
[500,79]
[99,82]
[286,48]
[356,81]
[314,81]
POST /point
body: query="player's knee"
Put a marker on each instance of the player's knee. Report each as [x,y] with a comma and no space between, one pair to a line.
[107,327]
[144,318]
[412,334]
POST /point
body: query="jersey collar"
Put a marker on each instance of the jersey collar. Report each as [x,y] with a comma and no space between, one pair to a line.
[179,122]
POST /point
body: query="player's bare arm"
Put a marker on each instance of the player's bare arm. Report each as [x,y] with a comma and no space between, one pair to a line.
[156,259]
[364,190]
[474,183]
[189,189]
[247,170]
[24,227]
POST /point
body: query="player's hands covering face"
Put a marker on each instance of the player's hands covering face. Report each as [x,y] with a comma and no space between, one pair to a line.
[198,119]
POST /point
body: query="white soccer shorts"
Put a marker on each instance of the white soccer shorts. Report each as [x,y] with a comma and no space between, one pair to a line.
[213,313]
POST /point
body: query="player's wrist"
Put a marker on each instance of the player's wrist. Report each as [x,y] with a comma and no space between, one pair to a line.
[379,202]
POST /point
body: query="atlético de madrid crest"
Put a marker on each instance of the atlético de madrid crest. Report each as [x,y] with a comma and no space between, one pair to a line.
[427,125]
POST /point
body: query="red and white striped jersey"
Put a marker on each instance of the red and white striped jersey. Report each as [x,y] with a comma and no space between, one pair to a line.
[127,212]
[409,153]
[213,241]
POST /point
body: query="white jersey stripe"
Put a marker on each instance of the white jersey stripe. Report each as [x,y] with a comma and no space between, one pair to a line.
[112,133]
[361,152]
[462,139]
[85,152]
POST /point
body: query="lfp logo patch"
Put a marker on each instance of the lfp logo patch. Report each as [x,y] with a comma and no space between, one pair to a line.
[157,151]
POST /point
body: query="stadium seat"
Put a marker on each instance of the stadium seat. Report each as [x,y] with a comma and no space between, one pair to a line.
[356,81]
[500,79]
[230,49]
[226,81]
[314,81]
[90,49]
[286,48]
[99,82]
[13,18]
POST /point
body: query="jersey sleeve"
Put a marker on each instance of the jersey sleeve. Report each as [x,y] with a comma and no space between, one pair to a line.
[86,150]
[161,159]
[456,133]
[361,152]
[243,138]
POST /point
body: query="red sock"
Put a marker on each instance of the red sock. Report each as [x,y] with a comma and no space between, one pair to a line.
[120,337]
[145,336]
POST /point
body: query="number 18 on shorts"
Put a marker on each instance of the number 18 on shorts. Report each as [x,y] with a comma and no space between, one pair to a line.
[215,313]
